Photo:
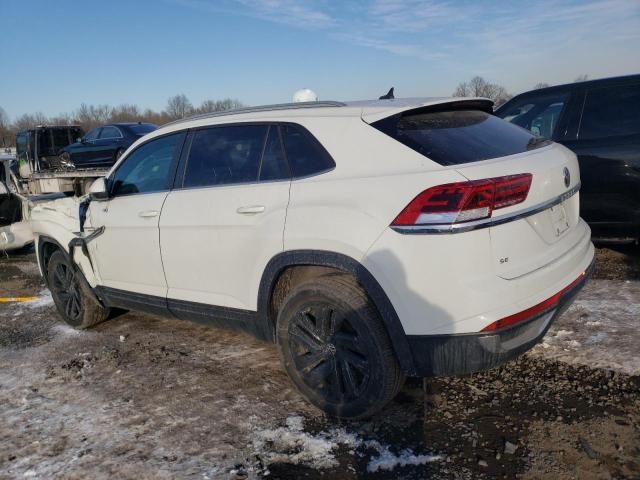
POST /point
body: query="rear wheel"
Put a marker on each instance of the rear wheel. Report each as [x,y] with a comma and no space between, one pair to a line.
[335,348]
[72,295]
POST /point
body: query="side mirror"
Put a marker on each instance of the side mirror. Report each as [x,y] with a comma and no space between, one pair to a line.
[98,190]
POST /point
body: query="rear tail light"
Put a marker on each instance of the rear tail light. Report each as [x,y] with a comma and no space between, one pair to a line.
[464,201]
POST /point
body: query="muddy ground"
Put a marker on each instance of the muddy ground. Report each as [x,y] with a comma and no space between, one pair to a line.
[144,397]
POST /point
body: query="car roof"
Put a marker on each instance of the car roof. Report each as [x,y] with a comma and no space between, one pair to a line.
[127,124]
[369,110]
[598,82]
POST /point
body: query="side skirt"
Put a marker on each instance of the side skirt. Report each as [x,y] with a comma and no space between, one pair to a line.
[214,316]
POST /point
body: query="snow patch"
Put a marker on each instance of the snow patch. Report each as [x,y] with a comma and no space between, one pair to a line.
[387,460]
[292,445]
[64,329]
[44,300]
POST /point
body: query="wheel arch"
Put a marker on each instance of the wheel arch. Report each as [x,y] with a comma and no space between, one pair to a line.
[279,264]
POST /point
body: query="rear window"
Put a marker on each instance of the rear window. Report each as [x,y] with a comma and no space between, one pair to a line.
[305,154]
[142,128]
[459,136]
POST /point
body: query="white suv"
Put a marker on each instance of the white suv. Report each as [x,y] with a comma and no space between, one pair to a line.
[369,240]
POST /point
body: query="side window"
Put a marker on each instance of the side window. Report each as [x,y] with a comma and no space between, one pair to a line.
[149,168]
[92,135]
[110,132]
[274,164]
[225,155]
[610,112]
[538,115]
[304,153]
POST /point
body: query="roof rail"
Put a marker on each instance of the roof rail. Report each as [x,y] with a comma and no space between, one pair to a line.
[260,108]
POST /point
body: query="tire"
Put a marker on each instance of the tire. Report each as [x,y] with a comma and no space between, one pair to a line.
[336,349]
[72,294]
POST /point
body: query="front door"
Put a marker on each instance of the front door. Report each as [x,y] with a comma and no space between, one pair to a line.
[127,254]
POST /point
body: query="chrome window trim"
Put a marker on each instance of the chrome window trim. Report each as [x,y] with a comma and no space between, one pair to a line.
[486,222]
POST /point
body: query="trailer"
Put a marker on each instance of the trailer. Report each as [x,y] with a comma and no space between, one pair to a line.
[64,181]
[41,170]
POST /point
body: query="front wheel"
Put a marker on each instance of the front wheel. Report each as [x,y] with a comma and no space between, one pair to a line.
[72,295]
[336,349]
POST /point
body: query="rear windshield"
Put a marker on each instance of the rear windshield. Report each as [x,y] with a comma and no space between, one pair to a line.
[459,136]
[142,128]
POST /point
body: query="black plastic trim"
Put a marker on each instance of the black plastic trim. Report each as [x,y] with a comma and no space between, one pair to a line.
[458,354]
[113,297]
[347,264]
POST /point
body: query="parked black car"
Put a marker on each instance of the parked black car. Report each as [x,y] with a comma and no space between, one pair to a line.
[102,146]
[600,121]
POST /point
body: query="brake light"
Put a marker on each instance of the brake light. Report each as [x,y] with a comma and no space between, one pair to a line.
[464,201]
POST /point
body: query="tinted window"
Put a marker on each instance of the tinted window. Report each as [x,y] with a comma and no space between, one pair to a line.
[305,155]
[110,132]
[539,115]
[274,165]
[149,168]
[93,134]
[611,111]
[460,136]
[142,128]
[224,155]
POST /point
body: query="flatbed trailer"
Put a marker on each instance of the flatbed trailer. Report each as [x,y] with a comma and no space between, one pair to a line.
[64,181]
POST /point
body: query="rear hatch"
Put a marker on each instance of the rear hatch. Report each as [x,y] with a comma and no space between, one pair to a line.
[526,234]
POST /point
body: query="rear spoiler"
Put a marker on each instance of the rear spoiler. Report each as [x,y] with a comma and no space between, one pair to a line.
[482,104]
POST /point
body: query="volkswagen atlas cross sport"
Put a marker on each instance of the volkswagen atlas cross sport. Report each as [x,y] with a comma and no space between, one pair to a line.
[369,240]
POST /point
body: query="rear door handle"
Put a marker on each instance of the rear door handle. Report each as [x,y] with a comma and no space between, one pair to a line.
[149,213]
[250,210]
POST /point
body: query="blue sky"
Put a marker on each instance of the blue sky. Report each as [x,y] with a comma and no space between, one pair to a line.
[59,54]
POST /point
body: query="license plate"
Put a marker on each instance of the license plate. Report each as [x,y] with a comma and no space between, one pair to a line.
[559,219]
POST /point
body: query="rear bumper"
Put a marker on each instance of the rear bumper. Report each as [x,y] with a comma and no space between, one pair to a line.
[457,354]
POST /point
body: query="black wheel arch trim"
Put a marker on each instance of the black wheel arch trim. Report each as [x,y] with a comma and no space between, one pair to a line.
[278,264]
[42,241]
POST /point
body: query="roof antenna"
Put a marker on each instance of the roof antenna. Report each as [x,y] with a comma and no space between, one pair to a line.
[388,96]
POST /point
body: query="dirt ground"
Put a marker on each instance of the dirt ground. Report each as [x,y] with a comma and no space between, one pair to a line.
[144,397]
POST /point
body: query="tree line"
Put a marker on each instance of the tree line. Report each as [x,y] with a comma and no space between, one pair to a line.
[179,106]
[91,116]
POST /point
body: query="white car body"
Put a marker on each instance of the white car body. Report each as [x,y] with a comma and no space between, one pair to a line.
[16,234]
[214,246]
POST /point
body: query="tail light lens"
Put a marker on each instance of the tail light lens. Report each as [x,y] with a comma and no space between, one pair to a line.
[464,201]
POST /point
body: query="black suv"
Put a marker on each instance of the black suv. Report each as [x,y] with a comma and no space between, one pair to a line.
[102,146]
[600,121]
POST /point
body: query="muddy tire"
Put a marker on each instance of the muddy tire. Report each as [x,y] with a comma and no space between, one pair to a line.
[72,294]
[336,349]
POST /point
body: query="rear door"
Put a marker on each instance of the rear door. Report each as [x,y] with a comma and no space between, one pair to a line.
[225,218]
[608,147]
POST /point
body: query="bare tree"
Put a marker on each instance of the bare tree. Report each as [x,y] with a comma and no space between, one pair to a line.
[5,130]
[541,85]
[209,106]
[479,87]
[179,106]
[582,78]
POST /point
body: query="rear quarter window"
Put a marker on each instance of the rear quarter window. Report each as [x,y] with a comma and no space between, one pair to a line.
[458,136]
[305,154]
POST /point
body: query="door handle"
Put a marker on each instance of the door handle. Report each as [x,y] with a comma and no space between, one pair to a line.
[250,210]
[149,213]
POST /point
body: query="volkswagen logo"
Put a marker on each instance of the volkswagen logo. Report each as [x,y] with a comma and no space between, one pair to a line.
[567,177]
